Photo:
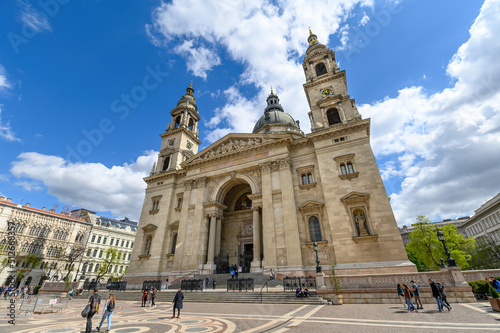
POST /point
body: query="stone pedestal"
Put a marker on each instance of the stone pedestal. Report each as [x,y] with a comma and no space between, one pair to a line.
[256,266]
[209,268]
[320,281]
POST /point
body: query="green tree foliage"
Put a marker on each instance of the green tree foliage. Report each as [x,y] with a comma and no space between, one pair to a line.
[486,254]
[425,249]
[111,259]
[32,260]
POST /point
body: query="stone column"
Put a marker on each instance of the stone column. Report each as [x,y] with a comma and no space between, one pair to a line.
[292,239]
[218,234]
[268,235]
[211,240]
[256,240]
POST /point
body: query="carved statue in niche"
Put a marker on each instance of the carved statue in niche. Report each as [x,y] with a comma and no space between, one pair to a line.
[147,248]
[360,219]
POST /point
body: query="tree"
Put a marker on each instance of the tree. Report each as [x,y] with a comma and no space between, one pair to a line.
[72,256]
[111,259]
[426,249]
[32,259]
[486,254]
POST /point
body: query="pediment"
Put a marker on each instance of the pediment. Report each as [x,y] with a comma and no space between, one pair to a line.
[355,197]
[150,227]
[235,143]
[311,205]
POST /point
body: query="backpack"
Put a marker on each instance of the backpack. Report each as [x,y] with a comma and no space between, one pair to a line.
[411,293]
[94,305]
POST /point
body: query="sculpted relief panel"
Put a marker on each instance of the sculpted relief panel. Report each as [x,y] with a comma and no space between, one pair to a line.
[234,145]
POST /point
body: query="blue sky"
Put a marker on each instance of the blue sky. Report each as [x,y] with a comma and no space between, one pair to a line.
[423,71]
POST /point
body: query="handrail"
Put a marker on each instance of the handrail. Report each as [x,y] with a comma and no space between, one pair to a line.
[267,287]
[181,278]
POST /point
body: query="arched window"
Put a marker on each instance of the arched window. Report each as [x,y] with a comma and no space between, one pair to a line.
[333,116]
[147,247]
[174,243]
[90,268]
[32,230]
[46,232]
[37,231]
[96,268]
[56,234]
[25,247]
[177,121]
[304,180]
[49,253]
[191,124]
[350,169]
[343,170]
[166,162]
[121,269]
[179,203]
[116,268]
[314,229]
[320,69]
[21,229]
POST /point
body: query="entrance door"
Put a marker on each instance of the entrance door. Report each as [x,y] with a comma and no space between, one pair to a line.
[247,258]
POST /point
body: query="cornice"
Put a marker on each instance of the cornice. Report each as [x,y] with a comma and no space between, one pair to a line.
[181,129]
[341,128]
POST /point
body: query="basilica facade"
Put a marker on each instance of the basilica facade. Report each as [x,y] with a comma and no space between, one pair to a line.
[262,199]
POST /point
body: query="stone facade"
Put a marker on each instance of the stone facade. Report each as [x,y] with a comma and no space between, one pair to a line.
[42,233]
[262,199]
[106,233]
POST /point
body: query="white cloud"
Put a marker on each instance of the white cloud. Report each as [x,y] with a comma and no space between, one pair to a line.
[364,20]
[4,83]
[445,145]
[267,38]
[33,19]
[200,60]
[119,189]
[6,132]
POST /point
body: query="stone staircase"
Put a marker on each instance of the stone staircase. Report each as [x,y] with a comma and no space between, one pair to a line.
[259,280]
[221,296]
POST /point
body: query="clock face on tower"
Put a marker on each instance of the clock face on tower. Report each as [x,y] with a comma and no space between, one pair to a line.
[327,92]
[189,145]
[171,142]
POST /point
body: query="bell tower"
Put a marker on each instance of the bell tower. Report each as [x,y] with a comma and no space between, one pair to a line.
[326,88]
[180,140]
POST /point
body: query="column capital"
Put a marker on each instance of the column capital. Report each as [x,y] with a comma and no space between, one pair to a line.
[265,167]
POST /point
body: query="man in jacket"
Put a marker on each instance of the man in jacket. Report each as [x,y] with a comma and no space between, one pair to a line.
[177,302]
[437,295]
[94,302]
[416,293]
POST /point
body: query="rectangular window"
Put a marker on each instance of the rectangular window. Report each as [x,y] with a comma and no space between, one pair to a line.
[100,254]
[93,239]
[88,252]
[304,180]
[128,243]
[105,240]
[123,242]
[99,240]
[129,256]
[112,241]
[132,245]
[310,178]
[95,253]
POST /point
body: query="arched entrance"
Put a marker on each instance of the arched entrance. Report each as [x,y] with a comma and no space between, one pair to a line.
[235,226]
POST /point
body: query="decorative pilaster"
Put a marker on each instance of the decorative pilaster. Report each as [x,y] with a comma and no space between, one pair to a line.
[256,263]
[268,235]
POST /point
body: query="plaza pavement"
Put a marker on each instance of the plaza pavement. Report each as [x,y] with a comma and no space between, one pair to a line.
[129,316]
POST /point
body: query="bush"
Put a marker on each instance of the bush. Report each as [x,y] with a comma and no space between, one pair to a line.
[35,291]
[480,286]
[494,293]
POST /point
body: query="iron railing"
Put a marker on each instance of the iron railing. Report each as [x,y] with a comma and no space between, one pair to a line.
[267,287]
[192,285]
[151,283]
[240,285]
[292,282]
[88,285]
[117,285]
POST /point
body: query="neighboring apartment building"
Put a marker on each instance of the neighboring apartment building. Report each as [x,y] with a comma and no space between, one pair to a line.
[106,233]
[486,221]
[459,223]
[38,233]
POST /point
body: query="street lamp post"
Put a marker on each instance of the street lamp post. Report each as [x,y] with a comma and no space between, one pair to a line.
[318,267]
[451,262]
[468,261]
[50,270]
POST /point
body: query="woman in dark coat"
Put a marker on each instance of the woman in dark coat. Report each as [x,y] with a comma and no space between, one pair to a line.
[437,295]
[144,297]
[177,302]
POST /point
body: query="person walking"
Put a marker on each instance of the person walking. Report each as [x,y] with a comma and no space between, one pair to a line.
[150,296]
[177,302]
[494,283]
[407,295]
[401,294]
[109,307]
[416,293]
[153,295]
[443,295]
[214,283]
[94,302]
[144,297]
[437,295]
[207,282]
